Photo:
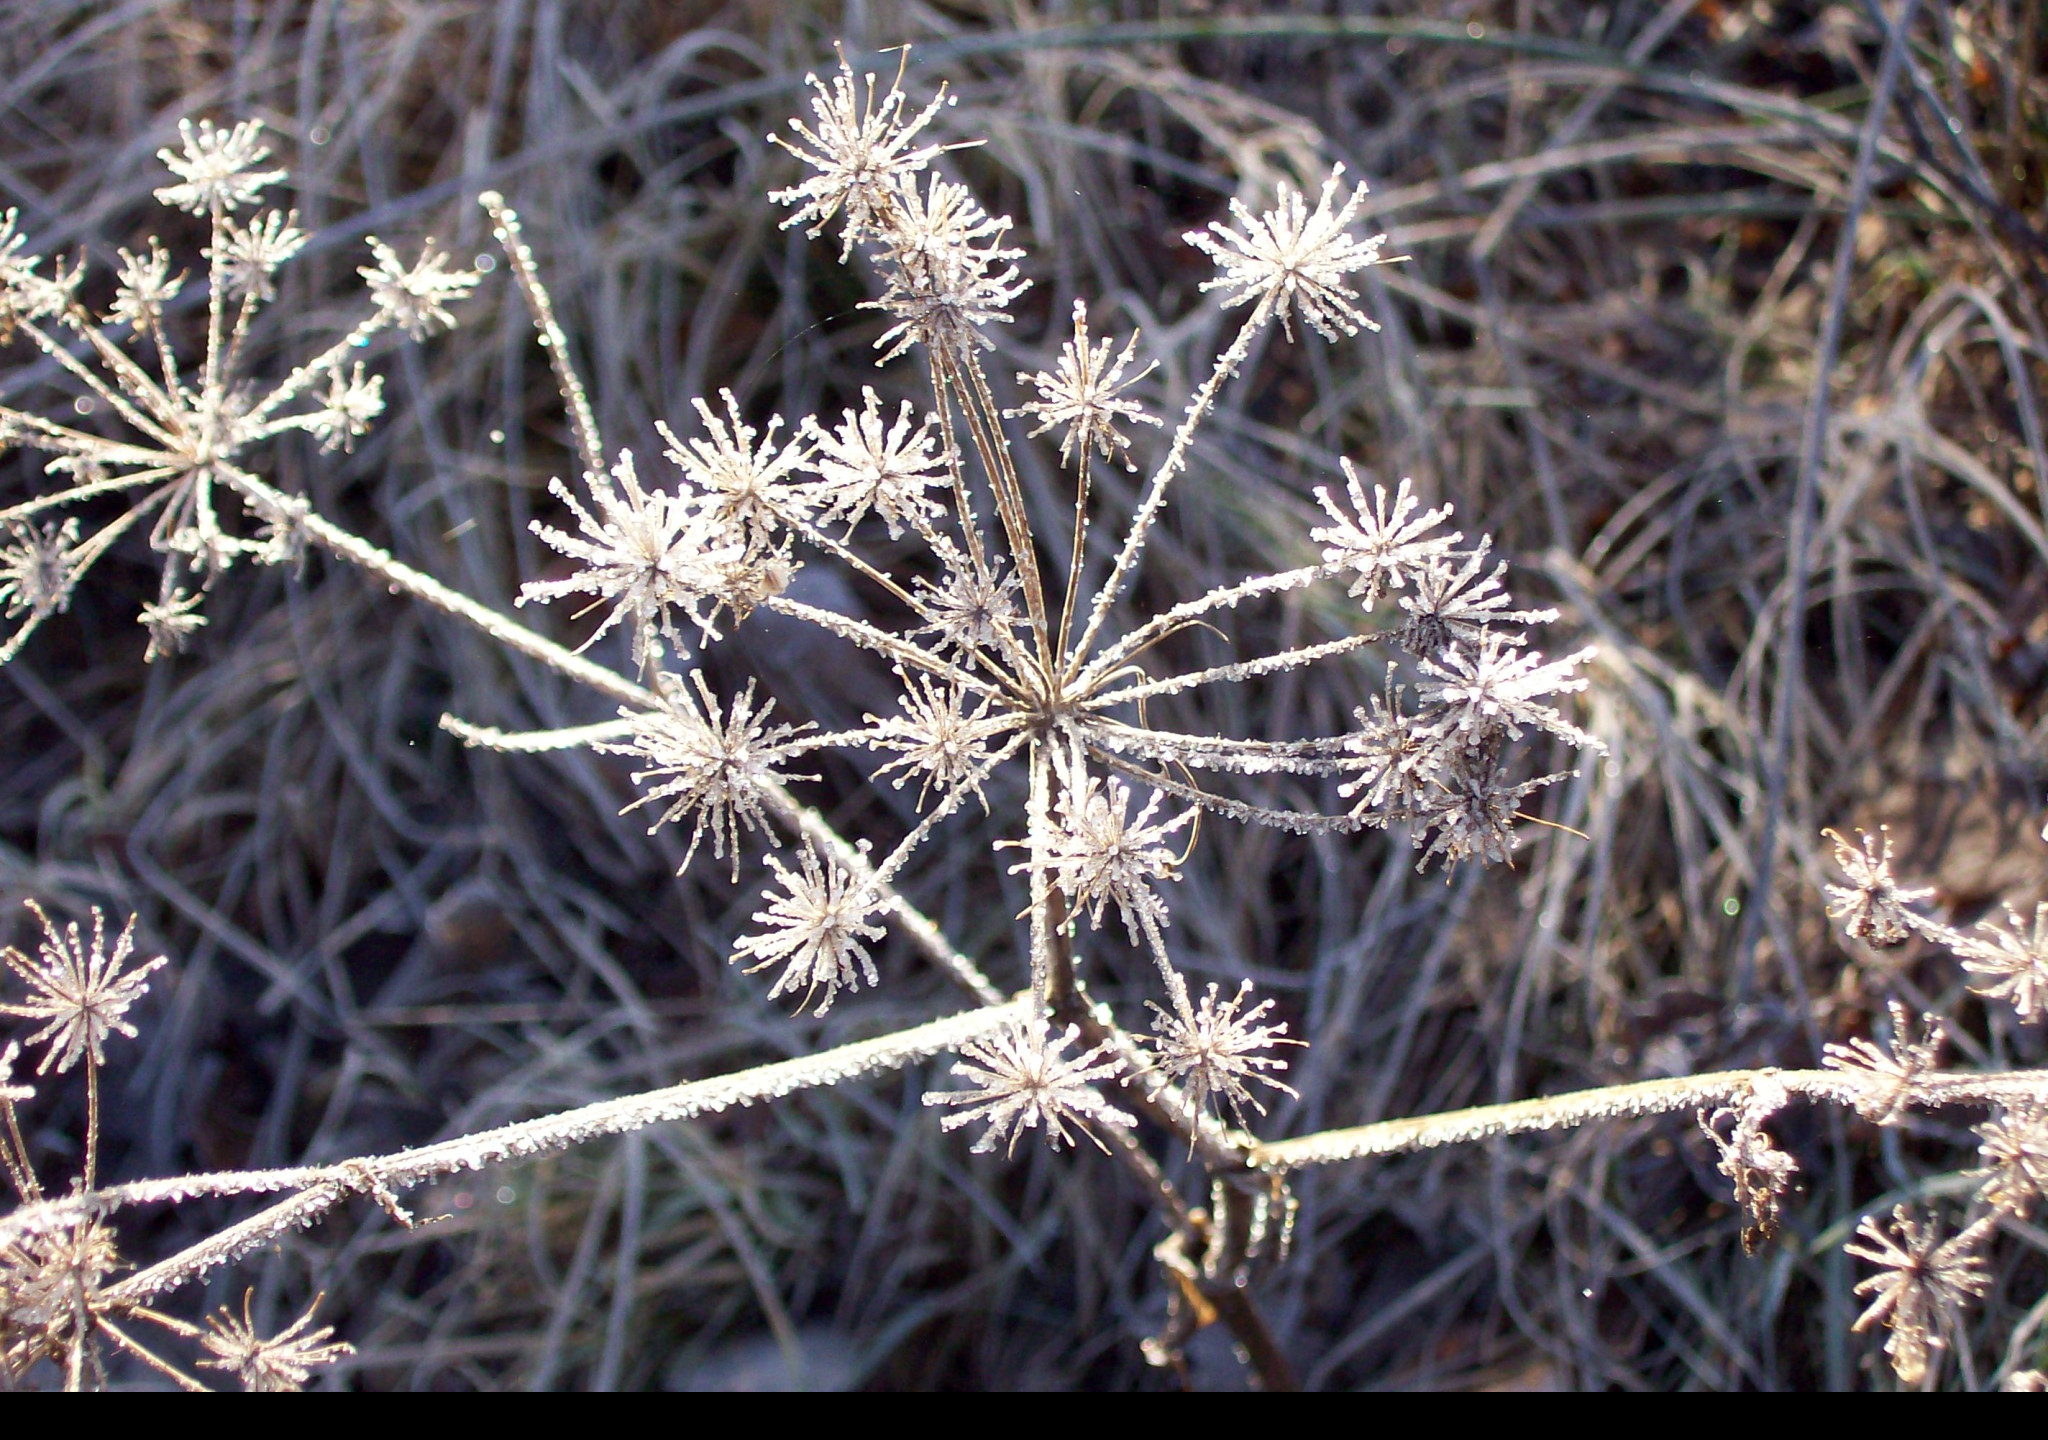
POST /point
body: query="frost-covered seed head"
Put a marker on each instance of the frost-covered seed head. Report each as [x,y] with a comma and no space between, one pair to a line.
[1922,1287]
[1213,1051]
[1871,907]
[416,298]
[1021,1079]
[1294,259]
[78,990]
[250,255]
[867,464]
[216,169]
[1382,542]
[861,150]
[818,930]
[1082,396]
[282,1362]
[715,770]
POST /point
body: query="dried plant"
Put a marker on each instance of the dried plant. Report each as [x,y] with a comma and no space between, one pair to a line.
[1031,678]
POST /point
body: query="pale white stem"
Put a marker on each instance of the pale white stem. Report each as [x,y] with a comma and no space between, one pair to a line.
[1650,1097]
[313,369]
[589,444]
[534,742]
[881,642]
[131,481]
[951,801]
[1180,615]
[1155,490]
[1234,674]
[1037,825]
[85,375]
[1299,822]
[529,1139]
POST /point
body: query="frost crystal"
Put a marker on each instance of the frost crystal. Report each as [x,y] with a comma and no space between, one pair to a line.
[1912,1055]
[742,488]
[283,1362]
[249,257]
[1098,852]
[416,300]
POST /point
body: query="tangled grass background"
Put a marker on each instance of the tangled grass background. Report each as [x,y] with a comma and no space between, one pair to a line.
[1606,349]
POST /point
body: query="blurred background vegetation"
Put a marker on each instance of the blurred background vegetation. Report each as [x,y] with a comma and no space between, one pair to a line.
[1623,221]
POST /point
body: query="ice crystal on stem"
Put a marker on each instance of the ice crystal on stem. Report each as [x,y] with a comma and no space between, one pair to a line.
[1022,1079]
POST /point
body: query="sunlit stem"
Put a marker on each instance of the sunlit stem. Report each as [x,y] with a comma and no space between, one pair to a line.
[1080,553]
[1037,825]
[14,1152]
[85,375]
[589,444]
[1176,987]
[89,1170]
[133,480]
[994,445]
[885,873]
[327,360]
[1155,490]
[216,305]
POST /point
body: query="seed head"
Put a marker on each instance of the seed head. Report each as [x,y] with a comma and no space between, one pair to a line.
[1871,907]
[1922,1287]
[284,1361]
[1021,1078]
[1082,394]
[1294,259]
[77,990]
[217,168]
[819,929]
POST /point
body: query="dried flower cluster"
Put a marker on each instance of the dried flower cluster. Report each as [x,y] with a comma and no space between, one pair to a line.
[1026,684]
